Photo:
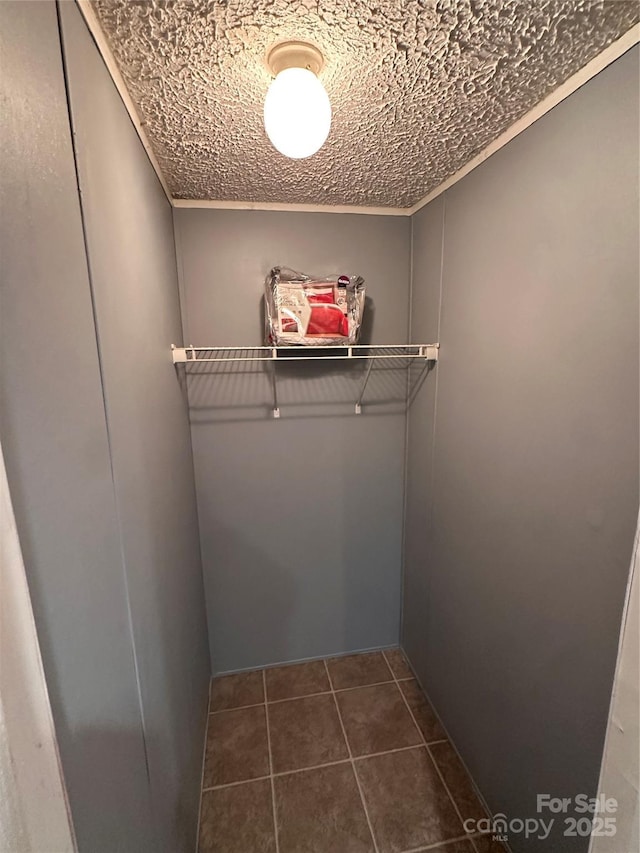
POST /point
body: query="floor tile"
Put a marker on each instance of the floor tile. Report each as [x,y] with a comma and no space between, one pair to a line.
[305,732]
[422,711]
[458,781]
[376,719]
[407,802]
[238,819]
[486,844]
[464,846]
[358,670]
[237,747]
[320,811]
[301,679]
[319,808]
[234,691]
[398,663]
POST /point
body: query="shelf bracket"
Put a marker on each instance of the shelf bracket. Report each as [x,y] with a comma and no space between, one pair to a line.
[430,351]
[364,387]
[178,354]
[274,385]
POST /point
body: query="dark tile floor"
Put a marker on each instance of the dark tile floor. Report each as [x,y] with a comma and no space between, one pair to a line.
[338,756]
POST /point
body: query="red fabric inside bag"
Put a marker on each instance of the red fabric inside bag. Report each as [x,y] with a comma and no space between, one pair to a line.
[328,320]
[320,298]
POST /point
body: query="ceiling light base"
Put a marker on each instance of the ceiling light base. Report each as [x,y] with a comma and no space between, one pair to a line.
[294,54]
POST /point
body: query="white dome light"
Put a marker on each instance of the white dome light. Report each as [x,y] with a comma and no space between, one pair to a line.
[297,112]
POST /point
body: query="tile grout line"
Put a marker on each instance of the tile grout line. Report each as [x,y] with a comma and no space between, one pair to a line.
[375,684]
[239,708]
[404,699]
[271,781]
[387,751]
[235,784]
[320,766]
[308,695]
[426,745]
[473,843]
[442,845]
[353,765]
[204,759]
[325,764]
[451,797]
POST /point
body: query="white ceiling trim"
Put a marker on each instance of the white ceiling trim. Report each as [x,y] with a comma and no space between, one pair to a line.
[95,29]
[614,51]
[299,208]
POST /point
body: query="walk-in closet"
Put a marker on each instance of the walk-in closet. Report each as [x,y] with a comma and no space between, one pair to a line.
[319,408]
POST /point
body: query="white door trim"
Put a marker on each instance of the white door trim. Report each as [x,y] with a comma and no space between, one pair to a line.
[34,812]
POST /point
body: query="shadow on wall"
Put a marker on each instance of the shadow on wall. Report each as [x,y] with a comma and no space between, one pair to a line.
[134,822]
[259,594]
[223,392]
[135,825]
[245,391]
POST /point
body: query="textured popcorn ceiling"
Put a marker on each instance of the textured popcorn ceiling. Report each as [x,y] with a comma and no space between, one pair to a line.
[418,87]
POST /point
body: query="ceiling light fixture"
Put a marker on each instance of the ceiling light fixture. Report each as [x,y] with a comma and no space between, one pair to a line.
[297,111]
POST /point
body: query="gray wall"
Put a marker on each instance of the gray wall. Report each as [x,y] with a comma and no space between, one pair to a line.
[513,597]
[300,518]
[103,485]
[426,248]
[132,263]
[56,449]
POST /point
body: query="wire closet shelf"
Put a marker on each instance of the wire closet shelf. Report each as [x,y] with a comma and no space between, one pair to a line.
[400,355]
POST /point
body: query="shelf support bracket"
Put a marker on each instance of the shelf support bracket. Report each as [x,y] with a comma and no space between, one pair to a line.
[364,387]
[179,354]
[274,385]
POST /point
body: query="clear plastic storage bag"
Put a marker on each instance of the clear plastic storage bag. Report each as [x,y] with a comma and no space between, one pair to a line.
[305,311]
